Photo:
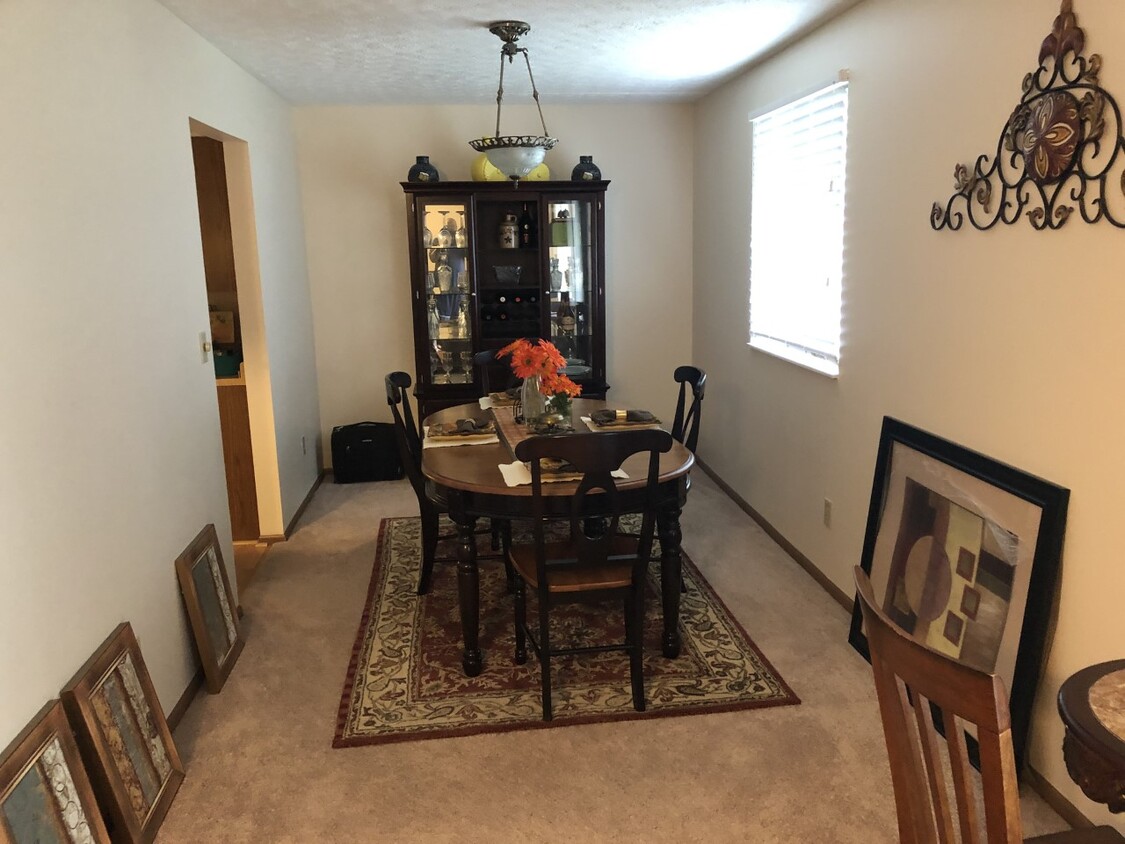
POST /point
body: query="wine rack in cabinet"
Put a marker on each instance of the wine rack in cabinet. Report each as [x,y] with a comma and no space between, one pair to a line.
[491,262]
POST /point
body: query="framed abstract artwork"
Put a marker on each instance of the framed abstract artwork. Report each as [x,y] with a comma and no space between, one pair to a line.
[45,795]
[210,606]
[124,738]
[963,554]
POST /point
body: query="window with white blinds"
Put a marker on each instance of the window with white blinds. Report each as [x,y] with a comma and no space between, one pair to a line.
[798,159]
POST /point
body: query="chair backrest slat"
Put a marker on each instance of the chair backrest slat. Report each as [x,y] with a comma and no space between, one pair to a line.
[909,678]
[483,363]
[931,756]
[962,783]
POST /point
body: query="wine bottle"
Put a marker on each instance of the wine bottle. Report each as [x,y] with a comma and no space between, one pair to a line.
[564,322]
[527,228]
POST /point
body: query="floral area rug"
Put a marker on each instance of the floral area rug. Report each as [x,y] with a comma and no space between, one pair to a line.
[405,681]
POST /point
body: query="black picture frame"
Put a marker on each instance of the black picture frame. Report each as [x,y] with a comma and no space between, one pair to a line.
[933,505]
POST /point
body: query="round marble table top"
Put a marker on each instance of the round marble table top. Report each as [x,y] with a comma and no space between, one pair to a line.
[1107,700]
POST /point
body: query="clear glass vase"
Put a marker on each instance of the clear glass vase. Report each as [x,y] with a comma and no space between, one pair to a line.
[532,401]
[558,410]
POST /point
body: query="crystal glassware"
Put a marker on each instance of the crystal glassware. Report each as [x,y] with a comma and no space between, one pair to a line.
[461,236]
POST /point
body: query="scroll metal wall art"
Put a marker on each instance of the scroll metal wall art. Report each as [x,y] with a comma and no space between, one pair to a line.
[1060,150]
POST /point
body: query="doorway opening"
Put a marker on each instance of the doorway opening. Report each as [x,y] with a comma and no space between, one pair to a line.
[234,301]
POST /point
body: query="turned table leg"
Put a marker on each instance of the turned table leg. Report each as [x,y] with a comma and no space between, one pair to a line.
[468,593]
[668,525]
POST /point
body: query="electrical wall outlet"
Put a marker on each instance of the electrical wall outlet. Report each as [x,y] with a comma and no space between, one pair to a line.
[828,512]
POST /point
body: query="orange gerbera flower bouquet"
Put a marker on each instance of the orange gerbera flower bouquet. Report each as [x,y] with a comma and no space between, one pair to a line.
[538,363]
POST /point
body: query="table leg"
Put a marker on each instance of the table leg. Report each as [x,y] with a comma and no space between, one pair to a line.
[668,525]
[468,593]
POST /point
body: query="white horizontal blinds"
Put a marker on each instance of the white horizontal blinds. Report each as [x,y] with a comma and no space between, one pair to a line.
[797,226]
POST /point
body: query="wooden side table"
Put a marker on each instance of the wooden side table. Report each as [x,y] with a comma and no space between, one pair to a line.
[1092,706]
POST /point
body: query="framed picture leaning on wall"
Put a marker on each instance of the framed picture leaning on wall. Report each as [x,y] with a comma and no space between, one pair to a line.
[124,737]
[45,794]
[210,606]
[963,554]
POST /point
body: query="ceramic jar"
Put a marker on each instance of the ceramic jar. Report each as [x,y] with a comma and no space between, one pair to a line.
[585,170]
[509,232]
[422,171]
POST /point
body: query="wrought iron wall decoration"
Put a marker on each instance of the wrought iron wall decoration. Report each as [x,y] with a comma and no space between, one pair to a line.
[1060,150]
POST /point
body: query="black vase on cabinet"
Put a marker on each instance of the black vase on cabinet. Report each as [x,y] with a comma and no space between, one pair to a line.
[585,170]
[511,289]
[422,171]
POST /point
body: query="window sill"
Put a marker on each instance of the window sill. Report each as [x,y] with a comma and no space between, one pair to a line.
[828,368]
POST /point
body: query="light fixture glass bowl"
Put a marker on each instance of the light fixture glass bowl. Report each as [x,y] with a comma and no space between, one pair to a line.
[515,155]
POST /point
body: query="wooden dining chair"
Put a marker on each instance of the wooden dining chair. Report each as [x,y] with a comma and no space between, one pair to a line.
[685,424]
[583,567]
[430,506]
[486,363]
[912,682]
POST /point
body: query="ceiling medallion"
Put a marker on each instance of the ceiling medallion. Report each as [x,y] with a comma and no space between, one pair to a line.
[1054,155]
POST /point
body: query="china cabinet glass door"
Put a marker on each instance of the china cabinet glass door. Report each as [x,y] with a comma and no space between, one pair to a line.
[572,272]
[449,291]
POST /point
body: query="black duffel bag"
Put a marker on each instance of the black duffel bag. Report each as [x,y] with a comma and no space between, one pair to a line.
[365,451]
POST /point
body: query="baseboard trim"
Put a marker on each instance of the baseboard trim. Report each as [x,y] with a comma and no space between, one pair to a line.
[1055,799]
[181,707]
[1038,783]
[844,600]
[271,538]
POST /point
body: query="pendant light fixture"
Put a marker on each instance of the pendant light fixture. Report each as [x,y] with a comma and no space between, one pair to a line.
[514,155]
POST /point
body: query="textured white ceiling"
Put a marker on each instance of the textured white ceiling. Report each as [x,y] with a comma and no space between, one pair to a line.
[440,51]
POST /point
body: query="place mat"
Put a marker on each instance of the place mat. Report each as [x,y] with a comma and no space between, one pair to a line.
[445,434]
[512,432]
[519,474]
[625,426]
[405,681]
[622,421]
[447,442]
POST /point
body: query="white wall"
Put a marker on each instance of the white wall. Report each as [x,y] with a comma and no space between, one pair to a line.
[110,454]
[1005,341]
[352,160]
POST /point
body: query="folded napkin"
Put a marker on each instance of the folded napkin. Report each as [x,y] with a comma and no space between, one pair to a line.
[505,399]
[519,474]
[462,428]
[461,432]
[622,418]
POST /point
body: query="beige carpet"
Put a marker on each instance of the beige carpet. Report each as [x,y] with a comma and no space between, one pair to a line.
[261,767]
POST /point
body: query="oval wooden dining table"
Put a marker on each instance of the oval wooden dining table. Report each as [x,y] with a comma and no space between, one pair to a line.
[468,479]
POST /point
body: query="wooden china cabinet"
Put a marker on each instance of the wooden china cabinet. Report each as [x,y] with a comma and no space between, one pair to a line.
[491,262]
